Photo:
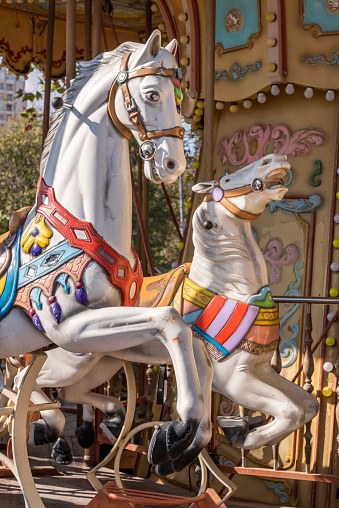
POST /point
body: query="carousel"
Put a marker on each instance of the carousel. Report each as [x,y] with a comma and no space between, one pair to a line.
[212,382]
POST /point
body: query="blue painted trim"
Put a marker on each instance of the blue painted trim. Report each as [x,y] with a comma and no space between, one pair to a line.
[191,317]
[63,250]
[250,14]
[212,341]
[8,295]
[315,13]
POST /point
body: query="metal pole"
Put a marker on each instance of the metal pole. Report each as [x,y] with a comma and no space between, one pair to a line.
[209,90]
[181,205]
[88,30]
[48,69]
[70,40]
[96,28]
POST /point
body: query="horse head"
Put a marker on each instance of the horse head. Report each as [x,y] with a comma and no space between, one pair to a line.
[246,192]
[148,105]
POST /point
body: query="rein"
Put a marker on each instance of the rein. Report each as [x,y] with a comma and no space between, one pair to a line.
[122,80]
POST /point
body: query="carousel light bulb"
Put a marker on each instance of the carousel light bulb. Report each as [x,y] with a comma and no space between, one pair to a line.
[184,84]
[161,26]
[275,90]
[234,107]
[330,95]
[261,98]
[196,164]
[196,118]
[330,316]
[327,392]
[184,61]
[182,16]
[199,111]
[164,35]
[337,171]
[289,88]
[154,7]
[270,16]
[271,67]
[334,267]
[247,103]
[336,218]
[271,42]
[219,105]
[336,243]
[184,39]
[333,292]
[330,341]
[190,185]
[201,104]
[308,92]
[174,265]
[337,195]
[328,366]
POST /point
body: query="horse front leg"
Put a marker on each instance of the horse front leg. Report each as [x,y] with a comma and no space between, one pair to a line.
[111,329]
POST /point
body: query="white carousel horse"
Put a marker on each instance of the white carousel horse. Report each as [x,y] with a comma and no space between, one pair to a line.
[227,262]
[78,277]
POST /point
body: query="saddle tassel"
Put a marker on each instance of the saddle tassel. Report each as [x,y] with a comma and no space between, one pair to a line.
[54,308]
[36,320]
[80,293]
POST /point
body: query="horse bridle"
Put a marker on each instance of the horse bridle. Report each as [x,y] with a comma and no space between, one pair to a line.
[148,147]
[220,196]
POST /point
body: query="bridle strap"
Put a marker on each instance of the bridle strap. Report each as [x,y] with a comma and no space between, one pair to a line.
[233,209]
[236,191]
[134,114]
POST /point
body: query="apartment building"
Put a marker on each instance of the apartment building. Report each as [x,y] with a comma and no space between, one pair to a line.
[9,104]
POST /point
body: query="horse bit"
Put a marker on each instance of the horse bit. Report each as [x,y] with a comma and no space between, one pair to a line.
[148,148]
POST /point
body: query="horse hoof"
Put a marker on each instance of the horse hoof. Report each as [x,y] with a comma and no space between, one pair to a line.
[165,468]
[170,440]
[41,434]
[85,435]
[114,423]
[235,428]
[61,452]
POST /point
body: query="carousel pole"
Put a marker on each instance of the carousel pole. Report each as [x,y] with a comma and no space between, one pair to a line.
[88,30]
[70,41]
[48,69]
[96,28]
[145,181]
[209,91]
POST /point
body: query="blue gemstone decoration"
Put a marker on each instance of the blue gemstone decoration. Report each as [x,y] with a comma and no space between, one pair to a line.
[81,295]
[39,305]
[67,288]
[55,311]
[37,323]
[36,250]
[35,232]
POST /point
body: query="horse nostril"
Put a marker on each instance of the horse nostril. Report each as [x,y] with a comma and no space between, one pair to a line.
[171,165]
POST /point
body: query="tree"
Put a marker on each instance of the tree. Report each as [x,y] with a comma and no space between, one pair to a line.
[20,150]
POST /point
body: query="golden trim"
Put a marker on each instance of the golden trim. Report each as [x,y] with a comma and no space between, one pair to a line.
[267,317]
[42,239]
[196,294]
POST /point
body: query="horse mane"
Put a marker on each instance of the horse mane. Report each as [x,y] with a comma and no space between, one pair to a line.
[86,71]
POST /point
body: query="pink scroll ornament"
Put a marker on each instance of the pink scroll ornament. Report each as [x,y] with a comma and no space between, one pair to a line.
[273,257]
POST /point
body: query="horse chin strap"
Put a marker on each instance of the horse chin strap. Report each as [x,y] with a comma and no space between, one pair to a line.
[220,195]
[132,109]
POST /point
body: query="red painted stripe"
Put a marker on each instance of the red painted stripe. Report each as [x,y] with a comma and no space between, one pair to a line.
[232,324]
[210,312]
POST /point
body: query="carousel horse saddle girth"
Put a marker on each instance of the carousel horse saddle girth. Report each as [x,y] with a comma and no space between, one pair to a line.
[159,291]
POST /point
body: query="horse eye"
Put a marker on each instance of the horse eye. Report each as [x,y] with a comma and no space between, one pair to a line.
[227,180]
[153,96]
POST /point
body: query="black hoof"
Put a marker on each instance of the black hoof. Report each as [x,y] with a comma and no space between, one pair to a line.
[235,428]
[41,434]
[61,452]
[170,440]
[114,423]
[165,468]
[85,435]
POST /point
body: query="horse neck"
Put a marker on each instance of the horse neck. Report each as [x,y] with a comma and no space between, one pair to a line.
[229,264]
[90,174]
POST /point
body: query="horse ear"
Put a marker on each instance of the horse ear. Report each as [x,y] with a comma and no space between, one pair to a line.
[150,50]
[172,47]
[204,187]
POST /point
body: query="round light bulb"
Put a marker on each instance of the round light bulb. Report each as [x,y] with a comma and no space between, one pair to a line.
[308,92]
[271,42]
[261,97]
[234,108]
[199,111]
[337,195]
[328,366]
[330,316]
[333,292]
[271,67]
[184,39]
[180,245]
[330,96]
[182,16]
[196,164]
[188,205]
[175,265]
[270,17]
[161,26]
[247,103]
[289,88]
[190,185]
[184,60]
[201,104]
[336,218]
[154,7]
[196,118]
[220,105]
[327,392]
[336,243]
[330,341]
[275,90]
[164,35]
[337,171]
[334,267]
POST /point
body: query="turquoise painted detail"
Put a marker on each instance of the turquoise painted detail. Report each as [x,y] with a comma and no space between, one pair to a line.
[297,283]
[312,60]
[289,348]
[263,299]
[46,263]
[279,489]
[297,205]
[249,11]
[35,295]
[192,316]
[315,13]
[210,339]
[62,280]
[236,72]
[9,292]
[290,313]
[315,182]
[290,179]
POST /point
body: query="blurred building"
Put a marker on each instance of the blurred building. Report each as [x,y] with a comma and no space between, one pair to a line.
[10,105]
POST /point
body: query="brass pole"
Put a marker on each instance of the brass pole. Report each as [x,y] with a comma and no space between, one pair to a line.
[88,30]
[48,69]
[96,28]
[209,91]
[70,40]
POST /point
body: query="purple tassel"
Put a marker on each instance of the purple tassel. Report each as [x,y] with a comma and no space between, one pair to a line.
[54,308]
[80,293]
[36,320]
